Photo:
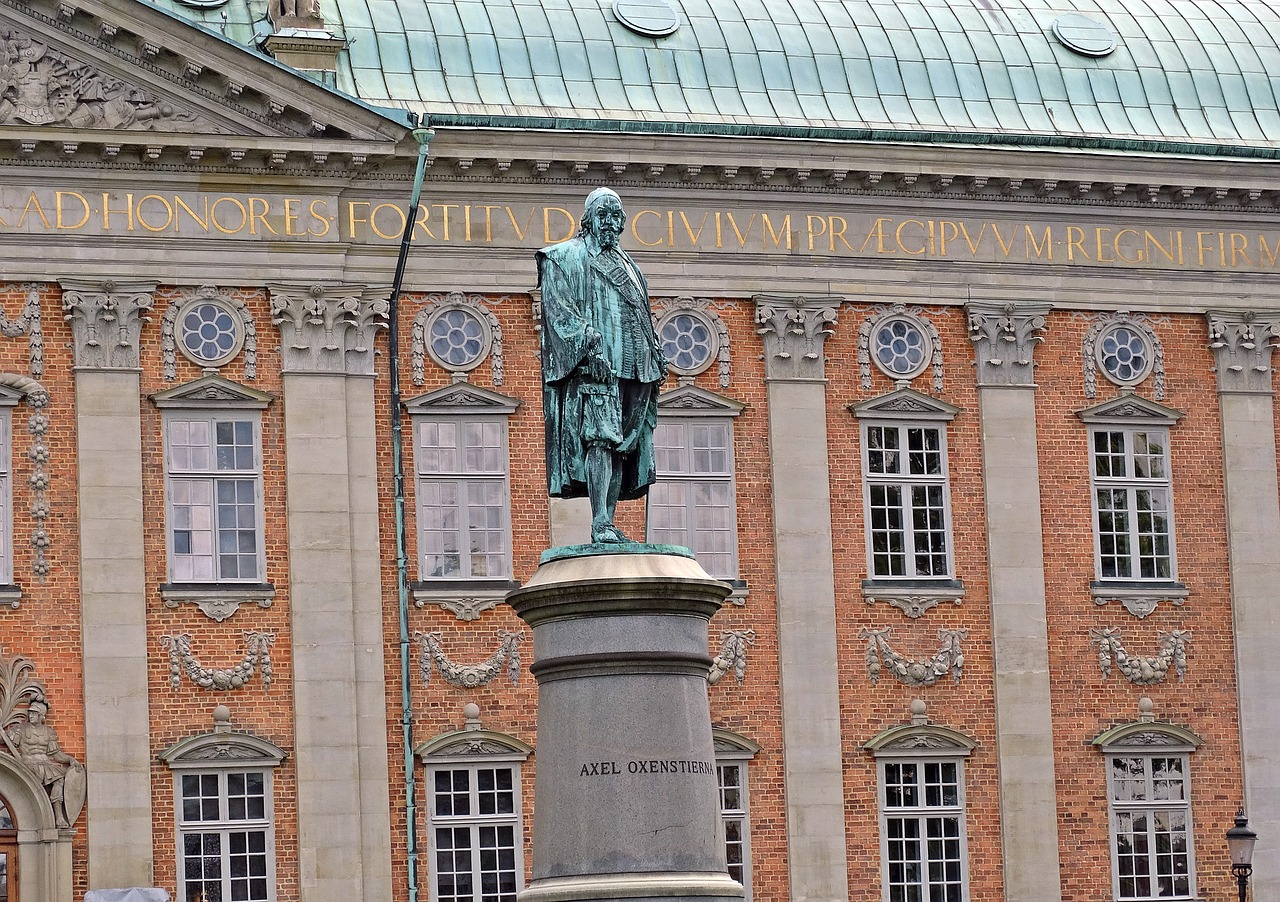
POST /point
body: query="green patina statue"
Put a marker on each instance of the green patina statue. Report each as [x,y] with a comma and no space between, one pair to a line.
[601,367]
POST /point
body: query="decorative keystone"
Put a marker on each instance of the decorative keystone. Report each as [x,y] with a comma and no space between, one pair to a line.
[1004,341]
[1242,343]
[794,329]
[106,321]
[327,328]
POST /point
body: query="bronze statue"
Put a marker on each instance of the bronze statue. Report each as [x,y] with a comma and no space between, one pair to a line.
[602,367]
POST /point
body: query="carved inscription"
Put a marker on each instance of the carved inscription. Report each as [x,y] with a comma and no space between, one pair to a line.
[649,766]
[273,217]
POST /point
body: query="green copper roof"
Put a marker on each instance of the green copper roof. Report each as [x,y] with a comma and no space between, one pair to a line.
[1199,75]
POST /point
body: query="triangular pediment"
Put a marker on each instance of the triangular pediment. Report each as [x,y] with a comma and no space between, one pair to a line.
[689,400]
[1128,408]
[111,77]
[904,404]
[462,398]
[211,391]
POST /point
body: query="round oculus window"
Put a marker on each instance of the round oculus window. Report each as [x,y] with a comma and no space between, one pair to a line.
[689,342]
[901,348]
[1124,354]
[210,333]
[457,339]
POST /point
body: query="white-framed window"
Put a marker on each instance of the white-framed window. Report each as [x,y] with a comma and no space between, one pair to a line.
[1133,502]
[733,753]
[908,501]
[225,814]
[1132,486]
[693,503]
[921,800]
[1149,804]
[475,829]
[212,437]
[463,483]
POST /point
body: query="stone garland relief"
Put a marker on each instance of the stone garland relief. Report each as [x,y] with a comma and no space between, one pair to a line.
[184,304]
[1138,328]
[469,676]
[257,657]
[733,655]
[948,659]
[456,331]
[47,87]
[930,347]
[1142,670]
[30,741]
[36,397]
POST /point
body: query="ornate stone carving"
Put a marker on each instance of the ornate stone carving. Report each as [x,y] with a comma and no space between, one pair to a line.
[34,744]
[912,600]
[1242,344]
[1142,671]
[912,314]
[28,322]
[794,330]
[304,14]
[472,675]
[1104,322]
[1139,601]
[1004,339]
[733,655]
[36,397]
[168,326]
[458,359]
[257,656]
[948,659]
[464,607]
[45,86]
[106,321]
[327,328]
[220,603]
[703,308]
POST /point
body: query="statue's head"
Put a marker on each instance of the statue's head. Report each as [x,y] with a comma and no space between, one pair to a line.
[37,709]
[603,217]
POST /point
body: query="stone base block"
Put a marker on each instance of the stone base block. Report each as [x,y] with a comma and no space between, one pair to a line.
[668,887]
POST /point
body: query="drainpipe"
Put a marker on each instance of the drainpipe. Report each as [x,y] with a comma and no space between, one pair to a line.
[423,137]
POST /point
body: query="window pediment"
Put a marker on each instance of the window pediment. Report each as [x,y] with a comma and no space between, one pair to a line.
[462,399]
[1129,409]
[1146,735]
[918,739]
[223,748]
[10,396]
[729,745]
[904,404]
[211,391]
[473,745]
[689,400]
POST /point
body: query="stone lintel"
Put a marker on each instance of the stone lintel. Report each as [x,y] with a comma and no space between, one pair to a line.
[1242,342]
[794,329]
[1004,340]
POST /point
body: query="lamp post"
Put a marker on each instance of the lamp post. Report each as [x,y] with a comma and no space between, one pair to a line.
[1240,840]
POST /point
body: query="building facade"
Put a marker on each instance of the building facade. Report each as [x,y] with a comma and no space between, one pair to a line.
[969,311]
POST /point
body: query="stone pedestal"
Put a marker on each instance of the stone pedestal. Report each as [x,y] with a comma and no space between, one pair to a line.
[625,803]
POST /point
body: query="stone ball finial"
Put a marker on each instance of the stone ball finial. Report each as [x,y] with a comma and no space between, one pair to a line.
[221,719]
[1146,709]
[471,711]
[917,711]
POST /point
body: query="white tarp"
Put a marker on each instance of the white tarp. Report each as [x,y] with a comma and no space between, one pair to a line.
[128,894]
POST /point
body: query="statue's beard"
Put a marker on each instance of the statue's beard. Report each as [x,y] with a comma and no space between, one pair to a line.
[608,239]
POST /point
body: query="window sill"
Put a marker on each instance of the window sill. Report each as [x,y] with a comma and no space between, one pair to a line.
[1139,598]
[466,599]
[10,596]
[912,596]
[218,601]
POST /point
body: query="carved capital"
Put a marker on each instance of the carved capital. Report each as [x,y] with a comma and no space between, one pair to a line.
[106,321]
[1242,343]
[327,328]
[1004,341]
[794,330]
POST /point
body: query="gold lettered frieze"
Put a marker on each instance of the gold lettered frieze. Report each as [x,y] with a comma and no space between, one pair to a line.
[1129,243]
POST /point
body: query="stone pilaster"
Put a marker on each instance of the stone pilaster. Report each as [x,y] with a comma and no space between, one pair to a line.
[1004,340]
[106,321]
[793,330]
[327,336]
[1242,345]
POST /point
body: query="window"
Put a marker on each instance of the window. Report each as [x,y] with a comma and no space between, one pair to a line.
[693,502]
[213,465]
[1132,497]
[922,826]
[475,831]
[225,815]
[1149,794]
[463,530]
[733,752]
[908,513]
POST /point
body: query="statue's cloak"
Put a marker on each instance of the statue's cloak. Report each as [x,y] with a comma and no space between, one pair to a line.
[582,287]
